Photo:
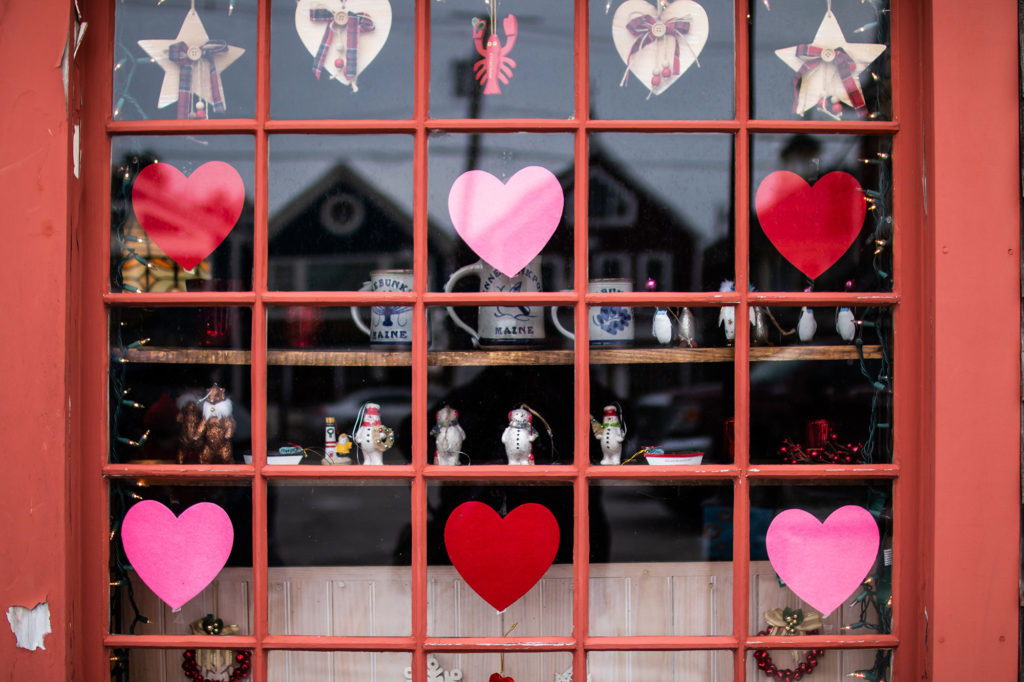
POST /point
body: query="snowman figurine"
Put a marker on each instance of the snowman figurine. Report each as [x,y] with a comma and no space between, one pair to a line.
[518,437]
[448,436]
[372,437]
[610,433]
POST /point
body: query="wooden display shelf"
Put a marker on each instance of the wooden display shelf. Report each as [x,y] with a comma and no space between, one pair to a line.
[598,356]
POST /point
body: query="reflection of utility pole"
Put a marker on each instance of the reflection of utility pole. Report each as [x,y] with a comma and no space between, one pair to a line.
[466,86]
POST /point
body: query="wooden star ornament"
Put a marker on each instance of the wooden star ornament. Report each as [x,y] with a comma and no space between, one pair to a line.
[192,65]
[828,69]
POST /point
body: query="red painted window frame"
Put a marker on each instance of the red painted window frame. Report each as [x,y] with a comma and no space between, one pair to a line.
[937,260]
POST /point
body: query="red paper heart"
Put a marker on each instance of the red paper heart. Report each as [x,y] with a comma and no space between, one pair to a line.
[501,558]
[495,677]
[188,217]
[812,227]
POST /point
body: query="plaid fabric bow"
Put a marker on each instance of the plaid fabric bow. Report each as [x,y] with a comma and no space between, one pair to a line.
[179,55]
[845,65]
[358,22]
[642,28]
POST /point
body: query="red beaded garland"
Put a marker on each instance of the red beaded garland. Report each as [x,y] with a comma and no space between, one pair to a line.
[339,63]
[666,72]
[832,453]
[765,664]
[192,671]
[655,80]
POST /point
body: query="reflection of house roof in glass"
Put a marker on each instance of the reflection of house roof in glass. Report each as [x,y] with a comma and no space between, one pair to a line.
[338,206]
[633,233]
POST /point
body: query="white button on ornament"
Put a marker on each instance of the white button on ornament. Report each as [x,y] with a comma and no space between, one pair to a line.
[341,18]
[195,53]
[828,54]
[658,30]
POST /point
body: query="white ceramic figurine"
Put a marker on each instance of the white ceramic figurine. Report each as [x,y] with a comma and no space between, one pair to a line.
[846,324]
[610,433]
[687,329]
[518,437]
[807,325]
[372,437]
[661,327]
[448,437]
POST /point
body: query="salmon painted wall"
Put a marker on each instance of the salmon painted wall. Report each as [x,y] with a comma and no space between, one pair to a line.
[34,412]
[973,190]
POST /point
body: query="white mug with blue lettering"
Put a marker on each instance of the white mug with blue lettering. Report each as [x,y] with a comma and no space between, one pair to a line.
[389,325]
[609,325]
[507,324]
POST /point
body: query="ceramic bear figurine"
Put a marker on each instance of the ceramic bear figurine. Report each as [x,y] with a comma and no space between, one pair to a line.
[518,437]
[190,432]
[218,427]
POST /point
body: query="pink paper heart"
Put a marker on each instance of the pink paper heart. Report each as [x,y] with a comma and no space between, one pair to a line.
[188,217]
[812,227]
[177,556]
[823,563]
[506,224]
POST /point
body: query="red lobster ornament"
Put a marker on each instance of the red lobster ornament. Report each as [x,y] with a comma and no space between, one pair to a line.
[495,64]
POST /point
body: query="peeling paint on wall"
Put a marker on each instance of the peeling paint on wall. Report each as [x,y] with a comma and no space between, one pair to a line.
[30,625]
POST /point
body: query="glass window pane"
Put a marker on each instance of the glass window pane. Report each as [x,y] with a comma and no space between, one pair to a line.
[514,665]
[828,401]
[661,559]
[503,156]
[323,371]
[527,73]
[672,399]
[821,213]
[867,611]
[364,73]
[340,209]
[454,609]
[337,665]
[832,664]
[670,666]
[779,31]
[166,664]
[214,53]
[175,373]
[181,213]
[135,609]
[513,394]
[339,558]
[703,87]
[660,208]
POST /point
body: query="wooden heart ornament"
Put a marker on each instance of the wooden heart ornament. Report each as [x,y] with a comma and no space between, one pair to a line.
[177,556]
[812,227]
[823,563]
[501,558]
[188,217]
[659,47]
[343,36]
[506,224]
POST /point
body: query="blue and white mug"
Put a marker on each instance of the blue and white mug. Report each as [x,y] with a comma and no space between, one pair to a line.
[508,324]
[389,325]
[609,325]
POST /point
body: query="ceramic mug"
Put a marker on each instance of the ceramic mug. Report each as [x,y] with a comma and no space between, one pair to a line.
[389,325]
[503,325]
[609,325]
